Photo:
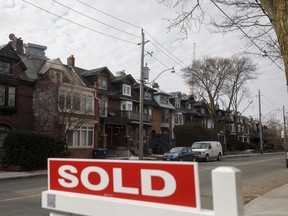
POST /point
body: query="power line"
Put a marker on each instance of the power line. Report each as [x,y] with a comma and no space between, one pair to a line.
[78,12]
[78,24]
[179,61]
[167,53]
[247,35]
[136,26]
[131,24]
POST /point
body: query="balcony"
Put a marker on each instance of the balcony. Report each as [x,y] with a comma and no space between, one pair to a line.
[129,115]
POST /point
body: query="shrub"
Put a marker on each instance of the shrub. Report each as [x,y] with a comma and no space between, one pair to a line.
[30,149]
[188,133]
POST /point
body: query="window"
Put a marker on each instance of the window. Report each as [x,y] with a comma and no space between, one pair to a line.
[4,67]
[178,119]
[177,103]
[163,99]
[102,83]
[148,96]
[203,111]
[126,106]
[165,116]
[82,102]
[83,137]
[4,130]
[103,107]
[7,96]
[126,90]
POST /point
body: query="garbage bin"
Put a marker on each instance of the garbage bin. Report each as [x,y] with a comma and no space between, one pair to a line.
[100,153]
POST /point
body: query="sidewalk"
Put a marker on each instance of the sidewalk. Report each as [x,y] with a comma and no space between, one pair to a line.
[273,203]
[13,175]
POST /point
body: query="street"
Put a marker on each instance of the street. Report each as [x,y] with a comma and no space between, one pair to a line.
[260,174]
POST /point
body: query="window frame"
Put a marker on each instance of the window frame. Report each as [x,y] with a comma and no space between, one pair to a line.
[77,139]
[67,97]
[7,97]
[5,69]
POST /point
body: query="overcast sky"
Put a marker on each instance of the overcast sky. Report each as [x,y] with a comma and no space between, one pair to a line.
[98,40]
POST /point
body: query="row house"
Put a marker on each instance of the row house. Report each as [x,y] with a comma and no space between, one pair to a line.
[119,114]
[92,109]
[16,91]
[39,94]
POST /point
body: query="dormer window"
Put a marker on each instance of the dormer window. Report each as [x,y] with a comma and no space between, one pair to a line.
[4,67]
[126,90]
[148,96]
[102,83]
[177,103]
[163,99]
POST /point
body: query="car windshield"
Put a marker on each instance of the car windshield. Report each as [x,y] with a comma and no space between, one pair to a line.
[199,146]
[177,149]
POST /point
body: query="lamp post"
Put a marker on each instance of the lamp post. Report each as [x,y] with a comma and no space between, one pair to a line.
[141,104]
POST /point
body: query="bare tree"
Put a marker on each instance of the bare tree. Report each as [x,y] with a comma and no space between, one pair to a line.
[44,107]
[272,133]
[74,111]
[234,88]
[263,23]
[207,77]
[220,80]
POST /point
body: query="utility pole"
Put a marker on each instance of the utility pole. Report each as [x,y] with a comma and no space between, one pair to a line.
[284,135]
[260,124]
[141,98]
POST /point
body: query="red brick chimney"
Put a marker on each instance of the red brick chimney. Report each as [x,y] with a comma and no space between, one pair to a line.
[71,60]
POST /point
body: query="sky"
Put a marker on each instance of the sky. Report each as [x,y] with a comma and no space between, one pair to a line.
[108,33]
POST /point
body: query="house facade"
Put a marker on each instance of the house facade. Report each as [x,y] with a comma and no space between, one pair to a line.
[16,93]
[91,109]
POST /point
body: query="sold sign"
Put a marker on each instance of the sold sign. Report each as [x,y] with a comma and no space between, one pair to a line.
[159,182]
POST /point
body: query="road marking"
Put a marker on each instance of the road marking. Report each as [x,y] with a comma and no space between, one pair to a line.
[19,198]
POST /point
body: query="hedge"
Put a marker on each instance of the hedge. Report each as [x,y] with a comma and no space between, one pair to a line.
[30,149]
[188,133]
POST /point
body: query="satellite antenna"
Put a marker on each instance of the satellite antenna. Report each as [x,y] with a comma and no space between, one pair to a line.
[12,36]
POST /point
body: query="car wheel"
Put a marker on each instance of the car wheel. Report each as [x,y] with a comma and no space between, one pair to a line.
[207,158]
[219,157]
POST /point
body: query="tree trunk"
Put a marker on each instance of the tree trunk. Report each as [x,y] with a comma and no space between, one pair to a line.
[278,14]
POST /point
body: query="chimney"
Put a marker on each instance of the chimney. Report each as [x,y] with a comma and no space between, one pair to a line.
[155,85]
[120,73]
[71,60]
[17,44]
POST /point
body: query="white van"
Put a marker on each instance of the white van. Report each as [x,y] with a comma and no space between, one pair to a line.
[206,150]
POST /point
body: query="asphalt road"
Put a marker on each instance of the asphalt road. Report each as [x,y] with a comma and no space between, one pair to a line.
[260,174]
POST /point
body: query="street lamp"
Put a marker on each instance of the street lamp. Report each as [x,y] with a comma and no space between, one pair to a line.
[141,107]
[171,69]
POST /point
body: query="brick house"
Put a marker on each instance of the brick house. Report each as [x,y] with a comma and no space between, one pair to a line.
[45,95]
[16,93]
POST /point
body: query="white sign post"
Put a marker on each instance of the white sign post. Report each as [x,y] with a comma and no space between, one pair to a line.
[108,187]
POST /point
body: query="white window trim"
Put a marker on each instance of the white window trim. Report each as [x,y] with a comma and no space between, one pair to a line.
[126,90]
[81,129]
[86,95]
[128,105]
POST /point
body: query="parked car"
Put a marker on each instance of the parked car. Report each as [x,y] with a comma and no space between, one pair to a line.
[206,150]
[179,154]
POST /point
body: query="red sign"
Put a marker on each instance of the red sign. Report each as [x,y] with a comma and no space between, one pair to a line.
[166,183]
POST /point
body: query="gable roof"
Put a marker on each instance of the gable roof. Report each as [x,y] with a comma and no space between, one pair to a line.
[7,51]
